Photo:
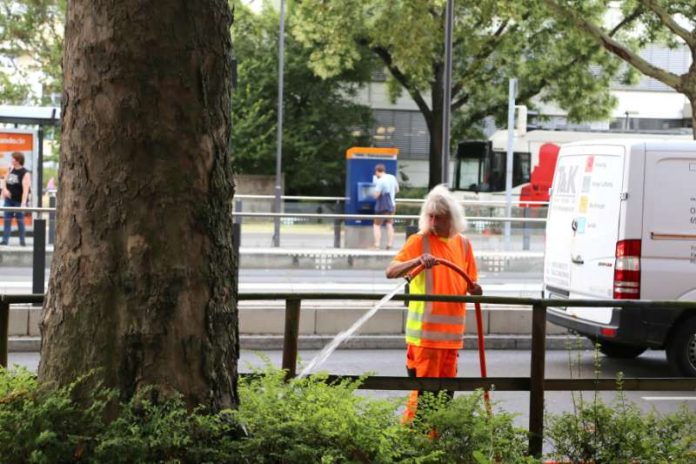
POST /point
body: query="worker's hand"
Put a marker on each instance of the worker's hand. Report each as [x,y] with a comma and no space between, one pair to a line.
[428,260]
[476,290]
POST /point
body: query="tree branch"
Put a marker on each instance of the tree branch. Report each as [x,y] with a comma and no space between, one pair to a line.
[405,82]
[482,112]
[627,20]
[530,91]
[617,48]
[486,51]
[671,24]
[458,103]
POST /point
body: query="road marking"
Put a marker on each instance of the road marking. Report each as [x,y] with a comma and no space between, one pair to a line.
[669,398]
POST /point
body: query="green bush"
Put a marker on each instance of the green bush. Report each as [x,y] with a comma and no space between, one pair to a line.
[310,421]
[20,380]
[153,429]
[467,434]
[42,425]
[621,433]
[417,193]
[303,421]
[618,432]
[307,421]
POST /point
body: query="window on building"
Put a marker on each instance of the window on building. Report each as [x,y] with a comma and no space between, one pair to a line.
[403,129]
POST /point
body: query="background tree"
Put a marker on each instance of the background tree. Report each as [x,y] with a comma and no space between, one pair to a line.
[320,119]
[31,33]
[671,22]
[493,41]
[142,286]
[31,50]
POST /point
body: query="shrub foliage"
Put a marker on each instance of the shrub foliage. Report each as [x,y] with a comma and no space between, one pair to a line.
[307,421]
[620,432]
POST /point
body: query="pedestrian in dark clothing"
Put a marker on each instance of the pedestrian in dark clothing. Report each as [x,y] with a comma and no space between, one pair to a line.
[15,191]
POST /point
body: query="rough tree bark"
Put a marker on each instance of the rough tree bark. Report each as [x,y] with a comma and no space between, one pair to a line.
[142,282]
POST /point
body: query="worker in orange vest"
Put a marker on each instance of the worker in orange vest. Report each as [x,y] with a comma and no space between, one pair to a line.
[435,330]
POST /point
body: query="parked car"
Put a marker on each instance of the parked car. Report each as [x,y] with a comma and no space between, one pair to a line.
[622,225]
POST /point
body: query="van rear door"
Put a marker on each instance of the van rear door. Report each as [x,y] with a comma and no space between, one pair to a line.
[583,225]
[668,262]
[559,236]
[596,230]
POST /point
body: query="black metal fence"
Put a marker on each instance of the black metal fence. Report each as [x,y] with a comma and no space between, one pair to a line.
[536,384]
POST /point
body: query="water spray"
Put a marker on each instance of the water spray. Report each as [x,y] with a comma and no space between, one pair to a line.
[341,337]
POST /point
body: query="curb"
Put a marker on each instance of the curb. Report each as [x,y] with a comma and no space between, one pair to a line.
[361,342]
[23,344]
[394,342]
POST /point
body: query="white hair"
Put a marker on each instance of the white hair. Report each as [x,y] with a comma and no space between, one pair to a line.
[441,201]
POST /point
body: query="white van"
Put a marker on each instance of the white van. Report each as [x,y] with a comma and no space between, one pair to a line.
[622,225]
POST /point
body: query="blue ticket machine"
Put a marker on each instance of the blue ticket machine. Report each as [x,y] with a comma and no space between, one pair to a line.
[360,170]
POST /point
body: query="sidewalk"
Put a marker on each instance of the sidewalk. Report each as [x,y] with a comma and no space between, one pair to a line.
[261,326]
[320,258]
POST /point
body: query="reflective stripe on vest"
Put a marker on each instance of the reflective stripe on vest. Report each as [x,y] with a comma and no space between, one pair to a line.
[415,320]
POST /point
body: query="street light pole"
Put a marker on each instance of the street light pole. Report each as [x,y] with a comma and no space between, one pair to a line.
[447,94]
[279,137]
[512,94]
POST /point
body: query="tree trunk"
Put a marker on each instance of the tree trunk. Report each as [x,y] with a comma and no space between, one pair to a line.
[435,128]
[142,286]
[687,87]
[692,101]
[693,116]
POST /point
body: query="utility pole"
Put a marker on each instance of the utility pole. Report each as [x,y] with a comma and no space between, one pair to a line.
[512,92]
[279,137]
[447,97]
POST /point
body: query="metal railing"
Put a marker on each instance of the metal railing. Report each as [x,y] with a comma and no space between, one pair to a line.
[405,217]
[44,230]
[338,218]
[516,202]
[536,384]
[237,213]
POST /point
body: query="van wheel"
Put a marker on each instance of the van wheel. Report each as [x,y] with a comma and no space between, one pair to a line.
[620,351]
[681,351]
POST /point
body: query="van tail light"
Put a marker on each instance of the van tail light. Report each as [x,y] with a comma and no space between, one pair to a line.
[608,332]
[627,270]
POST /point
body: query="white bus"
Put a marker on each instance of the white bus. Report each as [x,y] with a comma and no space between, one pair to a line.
[479,166]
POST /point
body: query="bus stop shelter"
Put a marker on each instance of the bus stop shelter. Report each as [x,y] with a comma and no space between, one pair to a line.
[35,116]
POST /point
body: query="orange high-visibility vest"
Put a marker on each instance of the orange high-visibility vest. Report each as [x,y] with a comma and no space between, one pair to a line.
[438,324]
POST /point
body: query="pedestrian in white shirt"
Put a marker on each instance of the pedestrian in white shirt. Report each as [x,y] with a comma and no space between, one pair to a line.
[386,188]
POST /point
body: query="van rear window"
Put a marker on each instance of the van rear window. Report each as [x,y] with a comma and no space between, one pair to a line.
[674,208]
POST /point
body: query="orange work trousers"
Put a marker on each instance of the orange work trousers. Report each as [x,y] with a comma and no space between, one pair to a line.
[427,362]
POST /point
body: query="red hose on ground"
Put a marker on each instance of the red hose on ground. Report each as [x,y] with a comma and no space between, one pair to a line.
[479,321]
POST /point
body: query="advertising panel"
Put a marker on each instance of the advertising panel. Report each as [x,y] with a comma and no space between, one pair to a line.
[25,142]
